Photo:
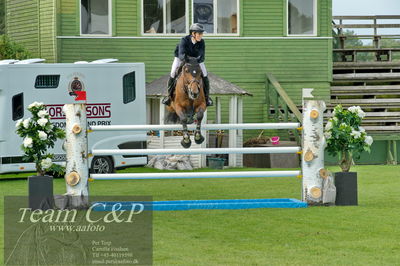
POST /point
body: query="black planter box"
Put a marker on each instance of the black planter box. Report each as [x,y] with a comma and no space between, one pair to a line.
[41,192]
[346,188]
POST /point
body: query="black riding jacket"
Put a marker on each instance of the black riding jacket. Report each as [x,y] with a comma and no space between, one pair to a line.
[187,48]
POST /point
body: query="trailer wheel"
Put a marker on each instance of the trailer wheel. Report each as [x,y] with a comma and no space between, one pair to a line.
[102,165]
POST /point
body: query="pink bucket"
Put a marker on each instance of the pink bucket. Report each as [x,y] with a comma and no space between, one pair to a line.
[275,140]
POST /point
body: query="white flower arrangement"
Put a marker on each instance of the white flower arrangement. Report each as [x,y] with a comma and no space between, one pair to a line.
[46,163]
[35,104]
[19,123]
[28,142]
[369,140]
[357,110]
[42,122]
[26,123]
[356,134]
[344,135]
[42,113]
[38,135]
[42,135]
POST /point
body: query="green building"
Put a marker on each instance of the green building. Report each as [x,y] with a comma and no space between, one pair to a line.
[292,39]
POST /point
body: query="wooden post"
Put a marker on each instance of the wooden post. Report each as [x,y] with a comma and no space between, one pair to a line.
[203,157]
[218,110]
[148,110]
[232,133]
[391,152]
[341,37]
[240,131]
[313,143]
[162,115]
[267,97]
[76,146]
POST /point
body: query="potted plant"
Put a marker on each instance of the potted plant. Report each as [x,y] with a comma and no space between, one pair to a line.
[38,135]
[346,138]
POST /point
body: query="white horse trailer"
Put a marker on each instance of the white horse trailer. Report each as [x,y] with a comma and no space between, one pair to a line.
[115,95]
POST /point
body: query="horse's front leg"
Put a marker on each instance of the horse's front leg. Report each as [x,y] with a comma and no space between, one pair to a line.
[186,142]
[198,138]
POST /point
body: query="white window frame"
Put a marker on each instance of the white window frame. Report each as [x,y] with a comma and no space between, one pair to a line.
[109,21]
[315,20]
[215,15]
[165,21]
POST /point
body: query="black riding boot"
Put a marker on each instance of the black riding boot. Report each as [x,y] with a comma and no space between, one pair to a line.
[206,82]
[171,87]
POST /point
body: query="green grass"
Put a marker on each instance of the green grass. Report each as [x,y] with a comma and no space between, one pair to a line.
[368,234]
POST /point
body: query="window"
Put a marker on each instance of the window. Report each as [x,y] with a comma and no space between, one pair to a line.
[47,81]
[17,106]
[95,17]
[301,17]
[129,87]
[164,16]
[133,145]
[217,16]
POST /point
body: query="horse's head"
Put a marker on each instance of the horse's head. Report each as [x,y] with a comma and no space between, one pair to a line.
[192,75]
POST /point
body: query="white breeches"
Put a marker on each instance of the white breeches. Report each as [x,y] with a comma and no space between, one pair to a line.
[177,62]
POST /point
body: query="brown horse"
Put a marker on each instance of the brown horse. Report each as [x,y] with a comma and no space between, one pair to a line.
[188,101]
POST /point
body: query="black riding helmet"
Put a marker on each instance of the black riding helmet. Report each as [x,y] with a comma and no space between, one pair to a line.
[196,27]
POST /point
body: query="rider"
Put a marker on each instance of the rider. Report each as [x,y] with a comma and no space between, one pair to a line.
[191,45]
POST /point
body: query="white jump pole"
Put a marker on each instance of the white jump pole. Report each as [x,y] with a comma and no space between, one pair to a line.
[197,151]
[193,127]
[76,147]
[189,175]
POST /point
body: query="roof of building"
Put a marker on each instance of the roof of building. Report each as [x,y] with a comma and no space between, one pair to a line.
[218,86]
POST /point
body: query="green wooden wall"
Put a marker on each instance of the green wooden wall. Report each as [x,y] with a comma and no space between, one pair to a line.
[246,69]
[22,22]
[32,24]
[47,30]
[296,63]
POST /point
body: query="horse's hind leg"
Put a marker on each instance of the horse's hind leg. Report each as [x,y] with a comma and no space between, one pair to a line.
[198,138]
[186,142]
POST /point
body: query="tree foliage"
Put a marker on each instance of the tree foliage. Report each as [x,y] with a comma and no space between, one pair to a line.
[2,17]
[12,50]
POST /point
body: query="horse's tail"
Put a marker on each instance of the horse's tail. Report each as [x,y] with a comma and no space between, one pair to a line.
[171,117]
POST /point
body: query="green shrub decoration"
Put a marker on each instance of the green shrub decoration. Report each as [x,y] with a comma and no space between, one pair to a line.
[345,137]
[12,50]
[38,135]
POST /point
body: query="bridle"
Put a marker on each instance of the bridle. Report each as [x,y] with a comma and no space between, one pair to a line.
[187,84]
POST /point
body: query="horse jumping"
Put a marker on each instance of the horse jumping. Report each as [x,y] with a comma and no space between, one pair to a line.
[188,101]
